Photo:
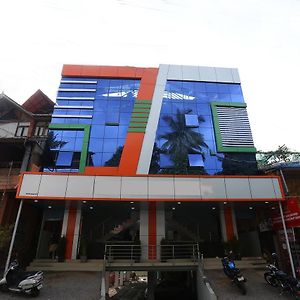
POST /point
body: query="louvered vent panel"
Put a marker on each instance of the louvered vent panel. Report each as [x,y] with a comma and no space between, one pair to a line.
[234,127]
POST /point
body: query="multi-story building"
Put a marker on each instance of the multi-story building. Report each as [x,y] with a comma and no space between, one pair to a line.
[150,154]
[23,130]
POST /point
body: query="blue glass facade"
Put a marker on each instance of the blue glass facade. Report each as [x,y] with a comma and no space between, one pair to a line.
[185,139]
[104,104]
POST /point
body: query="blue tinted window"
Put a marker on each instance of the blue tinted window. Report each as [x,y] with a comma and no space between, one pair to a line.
[96,159]
[97,131]
[165,161]
[111,132]
[106,157]
[195,160]
[110,145]
[237,98]
[64,158]
[211,87]
[79,133]
[191,121]
[98,118]
[95,145]
[235,89]
[68,143]
[223,88]
[78,144]
[124,118]
[112,117]
[69,133]
[122,131]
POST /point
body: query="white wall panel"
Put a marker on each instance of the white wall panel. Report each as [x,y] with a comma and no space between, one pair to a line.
[134,187]
[161,187]
[53,186]
[107,187]
[175,72]
[144,187]
[190,73]
[224,75]
[30,185]
[212,188]
[277,189]
[235,75]
[80,186]
[207,74]
[262,188]
[237,188]
[187,188]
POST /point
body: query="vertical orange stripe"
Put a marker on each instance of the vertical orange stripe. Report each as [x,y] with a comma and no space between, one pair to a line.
[131,153]
[152,230]
[229,223]
[70,231]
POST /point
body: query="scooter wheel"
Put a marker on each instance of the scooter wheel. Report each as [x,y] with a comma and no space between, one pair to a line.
[271,280]
[34,292]
[242,288]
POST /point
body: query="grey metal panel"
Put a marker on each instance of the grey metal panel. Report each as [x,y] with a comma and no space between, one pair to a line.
[175,72]
[53,186]
[187,188]
[161,188]
[277,189]
[149,138]
[262,188]
[30,185]
[208,74]
[80,186]
[107,187]
[134,187]
[213,188]
[190,73]
[237,188]
[224,75]
[235,75]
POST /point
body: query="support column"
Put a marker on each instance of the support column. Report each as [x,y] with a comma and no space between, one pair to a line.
[70,228]
[228,223]
[152,228]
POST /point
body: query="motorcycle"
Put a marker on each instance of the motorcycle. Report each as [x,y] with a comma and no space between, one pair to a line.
[18,281]
[277,278]
[234,274]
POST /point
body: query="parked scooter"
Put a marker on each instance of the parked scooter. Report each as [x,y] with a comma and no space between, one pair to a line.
[277,278]
[19,281]
[234,273]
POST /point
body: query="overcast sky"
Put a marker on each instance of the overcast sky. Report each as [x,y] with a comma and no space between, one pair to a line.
[259,37]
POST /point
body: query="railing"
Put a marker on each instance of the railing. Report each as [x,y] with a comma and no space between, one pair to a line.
[163,253]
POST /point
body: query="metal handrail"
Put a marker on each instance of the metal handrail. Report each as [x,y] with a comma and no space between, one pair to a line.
[165,252]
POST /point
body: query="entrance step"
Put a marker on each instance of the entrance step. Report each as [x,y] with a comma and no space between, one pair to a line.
[94,265]
[244,263]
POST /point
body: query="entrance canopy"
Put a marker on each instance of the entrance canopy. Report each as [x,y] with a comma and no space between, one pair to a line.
[63,186]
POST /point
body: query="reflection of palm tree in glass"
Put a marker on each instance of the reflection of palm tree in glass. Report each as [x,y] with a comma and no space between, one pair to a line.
[181,141]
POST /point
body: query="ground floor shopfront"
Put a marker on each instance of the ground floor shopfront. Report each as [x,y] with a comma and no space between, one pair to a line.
[217,213]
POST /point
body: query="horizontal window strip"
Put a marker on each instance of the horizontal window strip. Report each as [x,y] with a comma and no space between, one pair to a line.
[75,90]
[142,106]
[75,98]
[73,116]
[142,110]
[139,115]
[143,101]
[136,130]
[139,125]
[79,81]
[139,120]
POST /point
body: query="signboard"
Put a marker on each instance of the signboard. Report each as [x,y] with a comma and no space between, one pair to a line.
[291,213]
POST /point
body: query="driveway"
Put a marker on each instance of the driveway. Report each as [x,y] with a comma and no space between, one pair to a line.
[66,286]
[256,286]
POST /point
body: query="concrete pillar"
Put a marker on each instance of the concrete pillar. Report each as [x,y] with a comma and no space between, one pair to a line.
[228,223]
[71,228]
[152,228]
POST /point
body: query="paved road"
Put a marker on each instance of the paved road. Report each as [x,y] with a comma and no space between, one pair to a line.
[256,286]
[66,286]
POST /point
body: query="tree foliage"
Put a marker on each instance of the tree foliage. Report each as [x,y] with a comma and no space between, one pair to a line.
[282,154]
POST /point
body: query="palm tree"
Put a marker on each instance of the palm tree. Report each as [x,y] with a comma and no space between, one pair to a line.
[181,141]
